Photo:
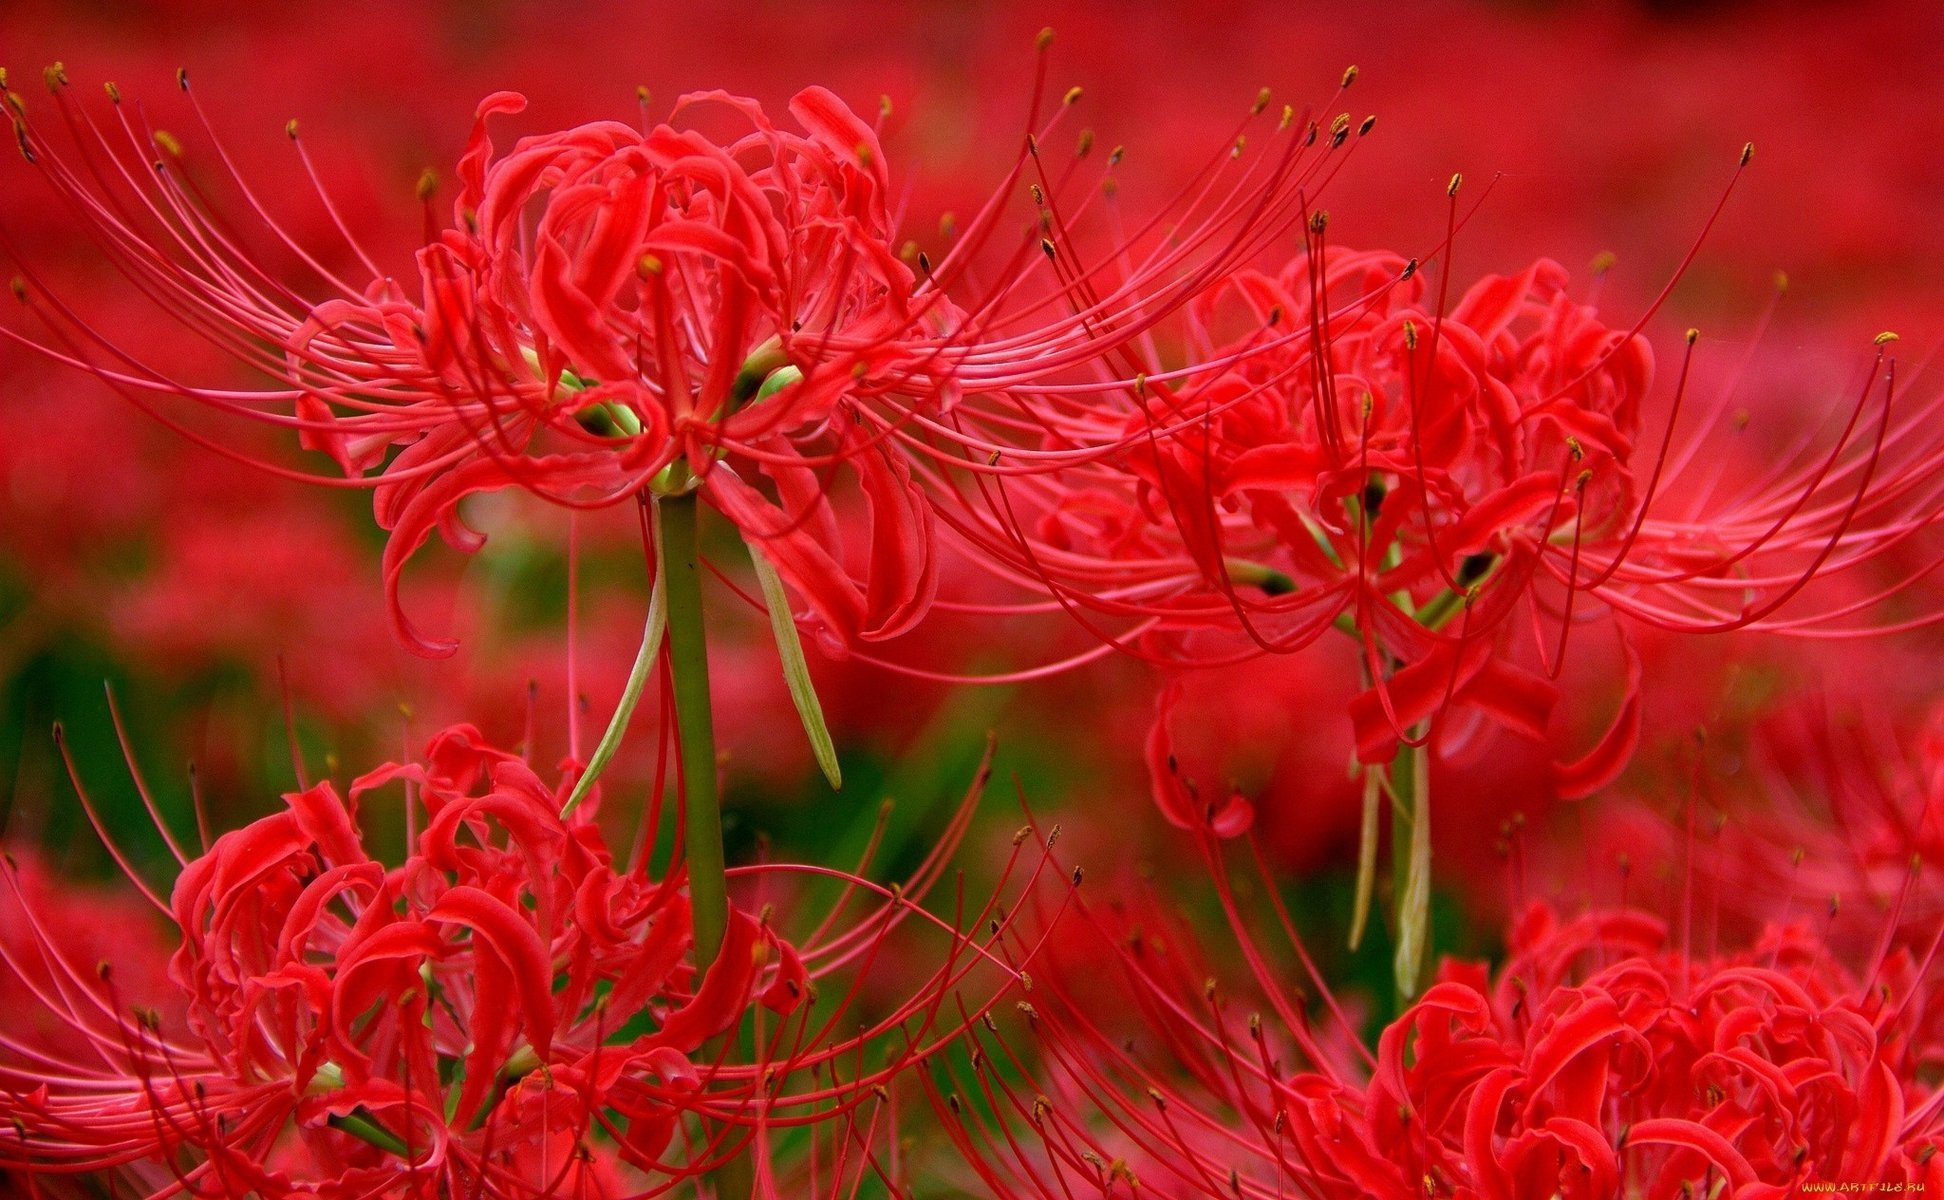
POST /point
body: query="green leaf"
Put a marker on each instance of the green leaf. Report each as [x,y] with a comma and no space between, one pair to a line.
[1414,898]
[796,672]
[1366,855]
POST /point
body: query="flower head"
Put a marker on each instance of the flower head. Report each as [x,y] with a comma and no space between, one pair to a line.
[1352,449]
[1603,1060]
[393,1026]
[509,1010]
[614,311]
[676,314]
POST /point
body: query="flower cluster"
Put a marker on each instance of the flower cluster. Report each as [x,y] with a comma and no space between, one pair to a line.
[1352,451]
[613,311]
[1604,1062]
[510,1010]
[468,1018]
[670,306]
[1600,1059]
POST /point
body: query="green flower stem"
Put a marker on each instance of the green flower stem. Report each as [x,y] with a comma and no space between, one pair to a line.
[688,653]
[681,575]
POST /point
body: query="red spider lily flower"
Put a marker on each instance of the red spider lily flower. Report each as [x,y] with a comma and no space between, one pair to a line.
[613,312]
[401,1020]
[1420,475]
[1363,455]
[509,1012]
[685,305]
[1601,1060]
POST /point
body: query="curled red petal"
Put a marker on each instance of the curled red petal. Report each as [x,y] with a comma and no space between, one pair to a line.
[1672,1131]
[1603,763]
[902,579]
[505,933]
[724,995]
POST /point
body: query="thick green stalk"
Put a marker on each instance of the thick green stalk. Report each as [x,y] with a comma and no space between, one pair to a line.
[688,654]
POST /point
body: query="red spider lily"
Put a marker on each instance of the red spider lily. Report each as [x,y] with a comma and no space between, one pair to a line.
[614,311]
[1365,456]
[510,1012]
[1361,454]
[1604,1061]
[423,1007]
